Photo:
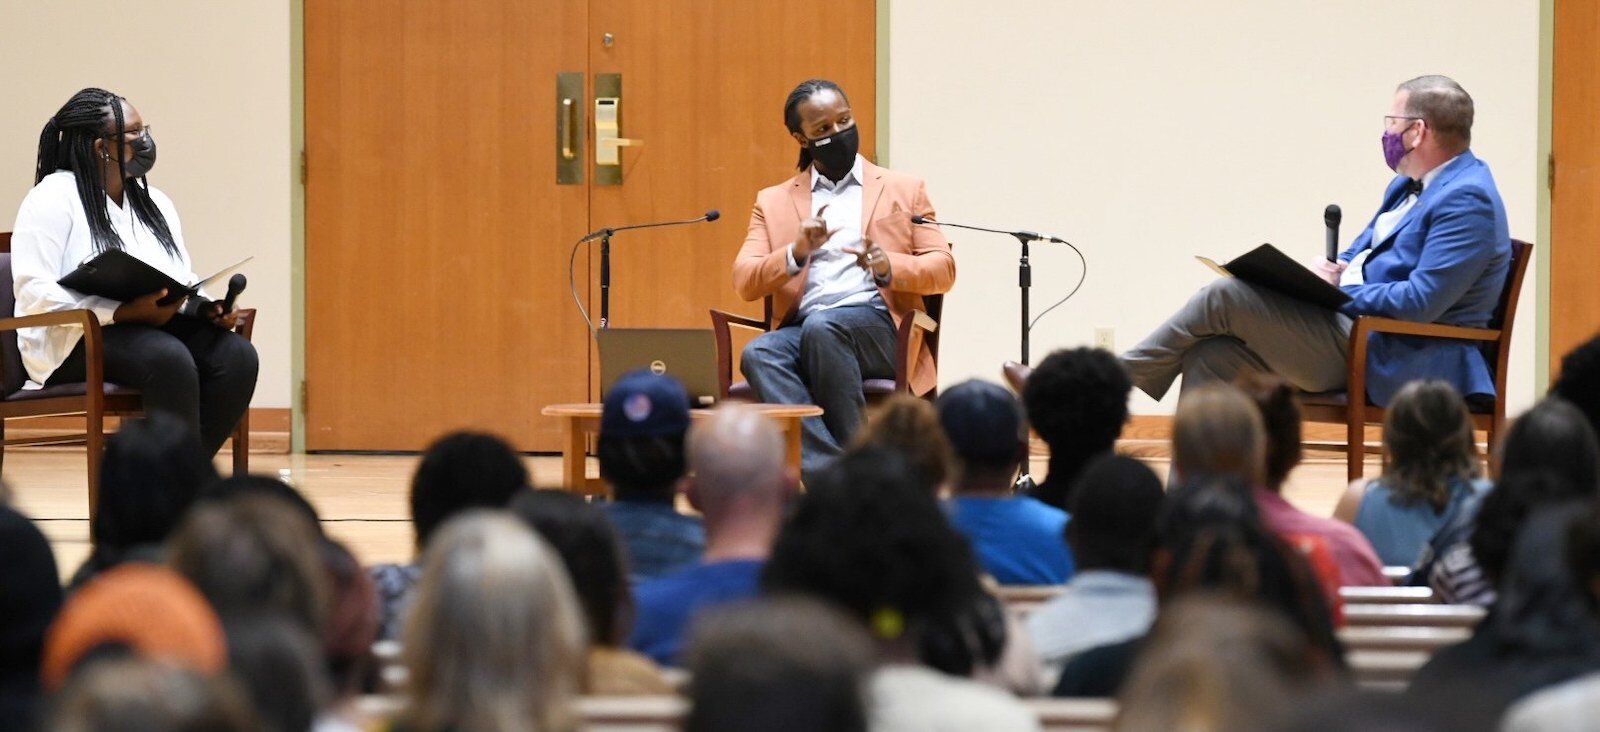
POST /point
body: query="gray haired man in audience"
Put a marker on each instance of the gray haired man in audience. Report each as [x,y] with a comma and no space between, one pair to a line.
[739,483]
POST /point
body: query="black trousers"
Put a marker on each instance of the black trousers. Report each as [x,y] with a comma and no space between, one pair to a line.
[189,368]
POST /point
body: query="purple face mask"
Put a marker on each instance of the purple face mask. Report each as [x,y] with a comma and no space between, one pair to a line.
[1394,148]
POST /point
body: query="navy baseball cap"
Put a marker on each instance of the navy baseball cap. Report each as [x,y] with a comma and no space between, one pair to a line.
[644,404]
[983,421]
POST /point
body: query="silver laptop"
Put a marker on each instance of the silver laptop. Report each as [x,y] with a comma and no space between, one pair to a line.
[686,354]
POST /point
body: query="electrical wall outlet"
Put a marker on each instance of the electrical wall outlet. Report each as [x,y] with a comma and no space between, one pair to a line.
[1105,337]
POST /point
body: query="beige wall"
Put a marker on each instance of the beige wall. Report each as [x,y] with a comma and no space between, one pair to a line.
[1147,132]
[213,79]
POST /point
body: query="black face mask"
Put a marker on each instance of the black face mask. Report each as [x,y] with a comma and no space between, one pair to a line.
[837,152]
[144,157]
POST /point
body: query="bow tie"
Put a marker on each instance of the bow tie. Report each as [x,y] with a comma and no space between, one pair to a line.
[1414,187]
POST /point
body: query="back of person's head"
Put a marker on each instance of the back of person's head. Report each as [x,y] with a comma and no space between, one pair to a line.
[254,555]
[987,431]
[151,472]
[910,426]
[1214,663]
[783,665]
[1540,614]
[141,695]
[280,667]
[1552,436]
[642,427]
[1077,401]
[1114,509]
[736,456]
[1279,406]
[236,486]
[494,640]
[1427,443]
[141,610]
[1506,508]
[1217,432]
[30,596]
[352,619]
[869,538]
[583,536]
[1210,540]
[1579,382]
[459,471]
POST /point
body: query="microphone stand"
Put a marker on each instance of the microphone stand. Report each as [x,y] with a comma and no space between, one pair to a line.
[605,278]
[1024,269]
[604,235]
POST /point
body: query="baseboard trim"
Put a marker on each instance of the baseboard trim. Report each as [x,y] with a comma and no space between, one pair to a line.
[269,429]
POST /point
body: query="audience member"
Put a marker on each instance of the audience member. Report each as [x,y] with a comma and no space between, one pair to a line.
[740,485]
[1550,454]
[254,555]
[1112,534]
[279,665]
[910,426]
[1541,630]
[1077,401]
[495,641]
[30,596]
[1430,473]
[1210,539]
[589,549]
[347,640]
[1216,664]
[641,446]
[1573,705]
[459,471]
[137,609]
[152,470]
[1018,539]
[143,695]
[1217,433]
[867,537]
[1579,382]
[1275,400]
[234,486]
[786,665]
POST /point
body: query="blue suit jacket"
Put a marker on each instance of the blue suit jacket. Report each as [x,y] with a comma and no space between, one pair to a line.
[1445,262]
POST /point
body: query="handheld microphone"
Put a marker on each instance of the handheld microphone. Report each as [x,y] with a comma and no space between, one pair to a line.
[709,216]
[1022,236]
[236,285]
[1330,217]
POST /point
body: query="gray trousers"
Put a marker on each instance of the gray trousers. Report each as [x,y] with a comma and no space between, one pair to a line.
[822,361]
[1230,327]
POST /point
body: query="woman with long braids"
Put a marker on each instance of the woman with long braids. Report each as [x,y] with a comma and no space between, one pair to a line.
[90,195]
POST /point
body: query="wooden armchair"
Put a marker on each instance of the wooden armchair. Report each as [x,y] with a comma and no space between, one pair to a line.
[1356,414]
[94,398]
[919,327]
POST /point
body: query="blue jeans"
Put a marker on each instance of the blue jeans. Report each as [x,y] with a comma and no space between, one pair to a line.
[822,360]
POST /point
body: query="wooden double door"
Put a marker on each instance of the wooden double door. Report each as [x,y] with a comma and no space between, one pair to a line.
[438,235]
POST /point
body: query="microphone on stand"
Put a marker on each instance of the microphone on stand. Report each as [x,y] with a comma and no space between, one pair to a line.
[604,235]
[1330,217]
[1022,236]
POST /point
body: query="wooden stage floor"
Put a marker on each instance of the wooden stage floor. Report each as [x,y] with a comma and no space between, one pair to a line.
[362,498]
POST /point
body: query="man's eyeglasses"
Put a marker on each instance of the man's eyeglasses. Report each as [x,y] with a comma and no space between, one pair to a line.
[1388,119]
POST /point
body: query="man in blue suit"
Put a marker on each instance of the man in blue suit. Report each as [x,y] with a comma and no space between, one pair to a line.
[1437,251]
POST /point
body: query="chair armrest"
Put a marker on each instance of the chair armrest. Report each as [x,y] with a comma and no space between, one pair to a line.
[94,366]
[247,322]
[1375,324]
[913,328]
[85,318]
[722,323]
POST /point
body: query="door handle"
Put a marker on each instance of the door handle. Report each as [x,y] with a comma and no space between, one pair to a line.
[569,128]
[569,136]
[608,139]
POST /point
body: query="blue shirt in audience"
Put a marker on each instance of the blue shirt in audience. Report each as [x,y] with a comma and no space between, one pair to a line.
[1018,540]
[664,607]
[659,540]
[1399,531]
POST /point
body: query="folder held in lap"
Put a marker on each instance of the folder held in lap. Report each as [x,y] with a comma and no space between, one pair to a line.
[118,275]
[1267,267]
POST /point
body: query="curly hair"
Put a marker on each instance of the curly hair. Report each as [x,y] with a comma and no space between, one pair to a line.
[1427,440]
[910,426]
[1579,382]
[459,471]
[1275,399]
[1077,400]
[870,539]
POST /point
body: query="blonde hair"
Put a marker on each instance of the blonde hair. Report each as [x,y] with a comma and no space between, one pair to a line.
[495,641]
[1218,432]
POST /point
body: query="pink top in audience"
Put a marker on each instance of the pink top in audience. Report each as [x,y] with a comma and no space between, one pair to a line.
[1358,563]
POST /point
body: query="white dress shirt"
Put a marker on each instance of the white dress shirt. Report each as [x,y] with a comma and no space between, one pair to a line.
[1383,227]
[50,239]
[836,280]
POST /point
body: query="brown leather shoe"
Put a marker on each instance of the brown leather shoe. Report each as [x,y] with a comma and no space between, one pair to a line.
[1016,374]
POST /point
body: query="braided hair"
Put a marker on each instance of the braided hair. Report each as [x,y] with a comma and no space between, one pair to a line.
[67,143]
[791,110]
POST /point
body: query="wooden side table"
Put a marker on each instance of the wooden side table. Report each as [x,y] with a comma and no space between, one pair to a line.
[578,421]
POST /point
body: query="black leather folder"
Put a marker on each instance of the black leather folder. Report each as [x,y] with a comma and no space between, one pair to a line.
[118,275]
[1266,266]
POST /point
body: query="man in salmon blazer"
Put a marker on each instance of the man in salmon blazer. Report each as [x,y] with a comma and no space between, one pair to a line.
[835,248]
